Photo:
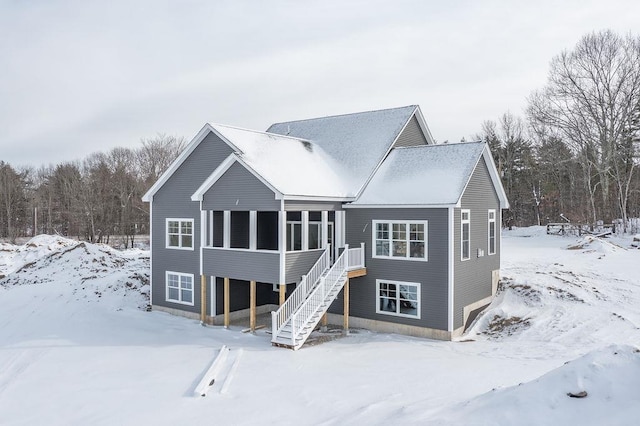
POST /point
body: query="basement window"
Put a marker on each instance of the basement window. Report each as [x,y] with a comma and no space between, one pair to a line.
[398,298]
[179,288]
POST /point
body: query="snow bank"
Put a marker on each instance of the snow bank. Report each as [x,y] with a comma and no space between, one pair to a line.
[580,295]
[608,377]
[88,270]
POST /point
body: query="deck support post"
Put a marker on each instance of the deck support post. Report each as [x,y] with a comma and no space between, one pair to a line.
[226,302]
[203,299]
[283,293]
[252,306]
[323,323]
[345,317]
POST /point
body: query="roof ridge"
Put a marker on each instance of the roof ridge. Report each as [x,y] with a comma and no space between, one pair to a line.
[439,144]
[342,115]
[261,132]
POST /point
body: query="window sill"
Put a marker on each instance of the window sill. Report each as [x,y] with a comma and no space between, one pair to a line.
[411,259]
[179,302]
[393,314]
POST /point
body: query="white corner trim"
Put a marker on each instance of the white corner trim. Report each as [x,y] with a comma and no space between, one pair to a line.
[423,126]
[451,268]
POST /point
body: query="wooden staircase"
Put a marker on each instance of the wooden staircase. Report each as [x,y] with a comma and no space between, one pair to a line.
[294,321]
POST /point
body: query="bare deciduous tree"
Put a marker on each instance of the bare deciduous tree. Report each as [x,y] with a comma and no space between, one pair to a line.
[590,99]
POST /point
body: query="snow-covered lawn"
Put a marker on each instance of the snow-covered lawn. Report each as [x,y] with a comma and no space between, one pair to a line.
[77,347]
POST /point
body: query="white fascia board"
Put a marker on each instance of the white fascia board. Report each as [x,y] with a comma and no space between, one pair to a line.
[495,178]
[177,162]
[278,194]
[317,198]
[399,206]
[221,170]
[213,177]
[493,174]
[423,126]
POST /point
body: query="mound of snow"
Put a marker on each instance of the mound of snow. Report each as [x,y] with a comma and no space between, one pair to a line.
[568,298]
[89,271]
[607,379]
[590,243]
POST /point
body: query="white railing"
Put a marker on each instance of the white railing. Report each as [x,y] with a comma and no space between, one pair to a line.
[318,296]
[355,257]
[299,295]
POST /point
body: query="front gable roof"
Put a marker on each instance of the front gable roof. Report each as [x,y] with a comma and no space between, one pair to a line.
[429,175]
[290,167]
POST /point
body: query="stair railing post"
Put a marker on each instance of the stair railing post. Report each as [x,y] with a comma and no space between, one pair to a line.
[274,325]
[293,329]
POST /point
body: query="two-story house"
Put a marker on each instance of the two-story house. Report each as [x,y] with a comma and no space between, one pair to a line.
[358,217]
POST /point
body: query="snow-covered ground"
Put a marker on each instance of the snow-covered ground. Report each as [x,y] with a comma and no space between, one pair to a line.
[78,347]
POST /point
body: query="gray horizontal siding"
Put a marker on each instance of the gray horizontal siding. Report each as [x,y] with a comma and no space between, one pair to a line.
[239,189]
[173,199]
[411,135]
[473,276]
[301,205]
[242,264]
[298,264]
[432,275]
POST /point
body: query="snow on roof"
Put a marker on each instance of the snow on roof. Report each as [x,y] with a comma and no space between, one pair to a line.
[291,165]
[424,175]
[358,141]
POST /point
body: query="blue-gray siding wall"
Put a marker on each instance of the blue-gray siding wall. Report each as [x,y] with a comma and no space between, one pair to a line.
[411,135]
[301,205]
[239,189]
[432,275]
[173,200]
[263,266]
[473,276]
[298,263]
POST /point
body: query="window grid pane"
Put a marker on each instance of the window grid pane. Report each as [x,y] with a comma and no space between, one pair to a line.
[398,299]
[401,240]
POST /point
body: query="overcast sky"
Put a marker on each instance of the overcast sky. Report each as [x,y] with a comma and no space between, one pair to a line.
[78,76]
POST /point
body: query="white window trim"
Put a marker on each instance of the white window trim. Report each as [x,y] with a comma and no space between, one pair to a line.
[180,221]
[407,223]
[495,231]
[398,283]
[462,222]
[166,288]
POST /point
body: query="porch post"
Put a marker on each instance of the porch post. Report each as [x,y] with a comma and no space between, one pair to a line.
[252,306]
[226,302]
[203,299]
[226,232]
[323,323]
[325,229]
[345,317]
[305,230]
[253,230]
[283,293]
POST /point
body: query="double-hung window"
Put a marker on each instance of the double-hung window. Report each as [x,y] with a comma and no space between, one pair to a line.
[179,288]
[395,239]
[492,232]
[180,233]
[465,234]
[398,298]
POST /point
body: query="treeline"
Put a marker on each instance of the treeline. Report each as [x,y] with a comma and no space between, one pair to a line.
[575,155]
[94,199]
